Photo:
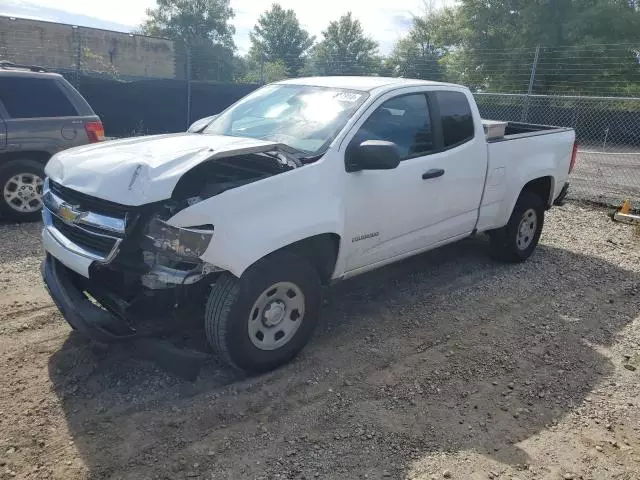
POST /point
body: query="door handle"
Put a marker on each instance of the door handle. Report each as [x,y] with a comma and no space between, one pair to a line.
[433,173]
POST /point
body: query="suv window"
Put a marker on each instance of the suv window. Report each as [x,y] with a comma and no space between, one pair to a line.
[457,121]
[30,97]
[403,120]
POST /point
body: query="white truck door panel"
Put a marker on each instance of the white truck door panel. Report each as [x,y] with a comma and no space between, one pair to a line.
[426,200]
[455,196]
[386,213]
[434,193]
[464,159]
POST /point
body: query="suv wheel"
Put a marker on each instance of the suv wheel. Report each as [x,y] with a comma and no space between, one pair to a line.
[21,183]
[264,318]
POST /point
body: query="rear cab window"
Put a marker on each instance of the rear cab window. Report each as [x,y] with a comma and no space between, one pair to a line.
[31,97]
[456,117]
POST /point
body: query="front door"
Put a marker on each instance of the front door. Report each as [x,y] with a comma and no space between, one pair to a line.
[432,196]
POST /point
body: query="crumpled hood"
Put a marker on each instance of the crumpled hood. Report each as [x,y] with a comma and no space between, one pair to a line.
[141,170]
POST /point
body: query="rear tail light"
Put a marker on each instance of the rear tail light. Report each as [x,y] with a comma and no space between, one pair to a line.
[574,156]
[95,131]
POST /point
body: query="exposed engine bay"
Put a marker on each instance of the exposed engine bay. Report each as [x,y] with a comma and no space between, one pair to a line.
[211,178]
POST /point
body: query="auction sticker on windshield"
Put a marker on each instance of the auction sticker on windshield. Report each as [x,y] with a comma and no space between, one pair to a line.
[347,97]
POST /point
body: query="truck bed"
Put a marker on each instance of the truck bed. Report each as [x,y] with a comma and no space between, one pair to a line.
[526,152]
[517,130]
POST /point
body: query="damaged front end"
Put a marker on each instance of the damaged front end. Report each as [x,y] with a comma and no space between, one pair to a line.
[139,265]
[173,254]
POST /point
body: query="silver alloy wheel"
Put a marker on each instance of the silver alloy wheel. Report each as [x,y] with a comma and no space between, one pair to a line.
[23,192]
[527,229]
[276,316]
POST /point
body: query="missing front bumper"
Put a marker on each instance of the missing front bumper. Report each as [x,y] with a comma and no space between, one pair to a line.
[84,316]
[104,327]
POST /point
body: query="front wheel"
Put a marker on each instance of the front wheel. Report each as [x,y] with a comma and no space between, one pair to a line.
[264,318]
[519,238]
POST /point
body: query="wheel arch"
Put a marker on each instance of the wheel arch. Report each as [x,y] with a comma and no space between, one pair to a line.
[320,250]
[39,156]
[543,187]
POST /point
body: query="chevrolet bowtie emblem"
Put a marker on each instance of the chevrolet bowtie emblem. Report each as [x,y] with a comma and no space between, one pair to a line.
[69,214]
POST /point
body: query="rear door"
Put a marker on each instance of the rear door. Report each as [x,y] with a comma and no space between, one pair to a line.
[462,155]
[41,116]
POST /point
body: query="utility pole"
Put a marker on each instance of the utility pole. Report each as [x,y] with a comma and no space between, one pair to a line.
[532,79]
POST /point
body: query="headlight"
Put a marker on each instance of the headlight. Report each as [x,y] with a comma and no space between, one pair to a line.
[185,242]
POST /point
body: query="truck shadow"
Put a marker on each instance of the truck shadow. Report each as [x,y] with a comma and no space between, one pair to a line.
[445,352]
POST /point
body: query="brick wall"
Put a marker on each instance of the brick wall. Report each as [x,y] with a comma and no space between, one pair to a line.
[59,46]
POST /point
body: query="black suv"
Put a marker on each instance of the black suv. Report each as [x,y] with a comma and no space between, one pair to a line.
[40,114]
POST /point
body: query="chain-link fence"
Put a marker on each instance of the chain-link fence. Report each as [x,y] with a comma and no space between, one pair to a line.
[608,133]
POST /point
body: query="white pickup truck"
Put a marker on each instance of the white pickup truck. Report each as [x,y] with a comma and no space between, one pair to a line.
[300,184]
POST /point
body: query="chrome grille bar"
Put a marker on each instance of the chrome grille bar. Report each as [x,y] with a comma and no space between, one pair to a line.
[112,224]
[89,224]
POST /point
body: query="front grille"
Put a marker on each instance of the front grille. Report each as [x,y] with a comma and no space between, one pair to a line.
[98,244]
[89,203]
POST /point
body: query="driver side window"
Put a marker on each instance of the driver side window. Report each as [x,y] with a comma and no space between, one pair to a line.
[403,120]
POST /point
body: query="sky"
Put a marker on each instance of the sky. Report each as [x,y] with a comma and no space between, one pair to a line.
[384,20]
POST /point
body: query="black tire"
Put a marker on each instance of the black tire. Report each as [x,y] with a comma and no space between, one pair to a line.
[505,243]
[232,300]
[8,171]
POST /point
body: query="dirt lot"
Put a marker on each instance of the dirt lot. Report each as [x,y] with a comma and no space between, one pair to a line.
[444,366]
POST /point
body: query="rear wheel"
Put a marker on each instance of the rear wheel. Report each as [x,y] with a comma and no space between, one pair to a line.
[264,318]
[21,183]
[519,238]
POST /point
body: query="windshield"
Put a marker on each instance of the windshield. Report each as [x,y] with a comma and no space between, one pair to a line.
[303,117]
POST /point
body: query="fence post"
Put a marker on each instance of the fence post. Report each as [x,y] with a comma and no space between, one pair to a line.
[188,75]
[77,67]
[525,111]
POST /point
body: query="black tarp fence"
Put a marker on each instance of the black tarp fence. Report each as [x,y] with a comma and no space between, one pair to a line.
[144,107]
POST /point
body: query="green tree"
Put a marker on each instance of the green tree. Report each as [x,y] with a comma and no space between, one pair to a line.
[581,44]
[203,28]
[419,54]
[345,50]
[264,72]
[278,37]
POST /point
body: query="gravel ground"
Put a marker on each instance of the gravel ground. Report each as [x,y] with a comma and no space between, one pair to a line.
[444,366]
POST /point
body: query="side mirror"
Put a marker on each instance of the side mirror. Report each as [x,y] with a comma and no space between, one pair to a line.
[372,155]
[200,125]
